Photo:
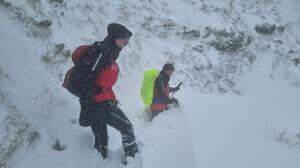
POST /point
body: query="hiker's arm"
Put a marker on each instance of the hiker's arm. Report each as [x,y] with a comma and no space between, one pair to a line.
[158,85]
[108,77]
[159,88]
[175,89]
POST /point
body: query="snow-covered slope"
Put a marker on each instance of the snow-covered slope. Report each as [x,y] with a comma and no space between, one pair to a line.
[216,50]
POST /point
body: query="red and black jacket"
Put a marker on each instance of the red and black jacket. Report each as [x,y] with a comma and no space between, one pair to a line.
[104,83]
[107,75]
[102,61]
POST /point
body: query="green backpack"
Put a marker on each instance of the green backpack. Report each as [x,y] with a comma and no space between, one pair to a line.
[148,86]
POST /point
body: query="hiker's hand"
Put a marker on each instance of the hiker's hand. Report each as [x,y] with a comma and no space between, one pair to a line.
[86,97]
[174,101]
[176,88]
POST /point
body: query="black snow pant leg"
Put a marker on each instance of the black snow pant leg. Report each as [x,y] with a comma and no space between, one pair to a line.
[112,115]
[118,120]
[101,137]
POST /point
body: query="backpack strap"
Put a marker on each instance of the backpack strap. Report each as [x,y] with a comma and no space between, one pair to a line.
[97,61]
[104,57]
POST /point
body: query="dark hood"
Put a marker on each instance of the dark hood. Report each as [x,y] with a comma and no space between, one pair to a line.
[164,77]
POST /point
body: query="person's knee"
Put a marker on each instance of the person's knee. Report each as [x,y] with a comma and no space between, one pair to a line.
[127,128]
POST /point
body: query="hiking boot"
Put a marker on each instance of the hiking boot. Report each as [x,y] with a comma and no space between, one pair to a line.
[103,151]
[132,151]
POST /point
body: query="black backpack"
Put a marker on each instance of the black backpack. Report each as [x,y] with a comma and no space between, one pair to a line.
[79,79]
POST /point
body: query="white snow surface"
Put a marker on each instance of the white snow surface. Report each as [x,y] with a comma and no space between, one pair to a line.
[254,123]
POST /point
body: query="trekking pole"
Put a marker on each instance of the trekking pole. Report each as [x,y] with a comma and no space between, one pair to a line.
[172,94]
[176,91]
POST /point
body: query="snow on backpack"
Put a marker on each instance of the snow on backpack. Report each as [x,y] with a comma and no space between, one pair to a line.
[73,81]
[148,86]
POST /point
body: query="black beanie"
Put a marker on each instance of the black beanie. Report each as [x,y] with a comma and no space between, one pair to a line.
[118,31]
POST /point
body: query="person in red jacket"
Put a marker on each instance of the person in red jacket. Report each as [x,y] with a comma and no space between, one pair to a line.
[104,110]
[161,97]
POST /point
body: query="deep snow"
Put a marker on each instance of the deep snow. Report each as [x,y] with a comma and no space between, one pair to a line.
[213,128]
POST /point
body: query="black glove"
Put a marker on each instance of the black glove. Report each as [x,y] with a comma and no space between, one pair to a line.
[98,89]
[174,101]
[86,97]
[177,87]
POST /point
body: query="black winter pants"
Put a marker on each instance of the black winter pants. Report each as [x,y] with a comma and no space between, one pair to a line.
[108,113]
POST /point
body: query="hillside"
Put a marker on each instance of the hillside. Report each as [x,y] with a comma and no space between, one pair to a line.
[239,61]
